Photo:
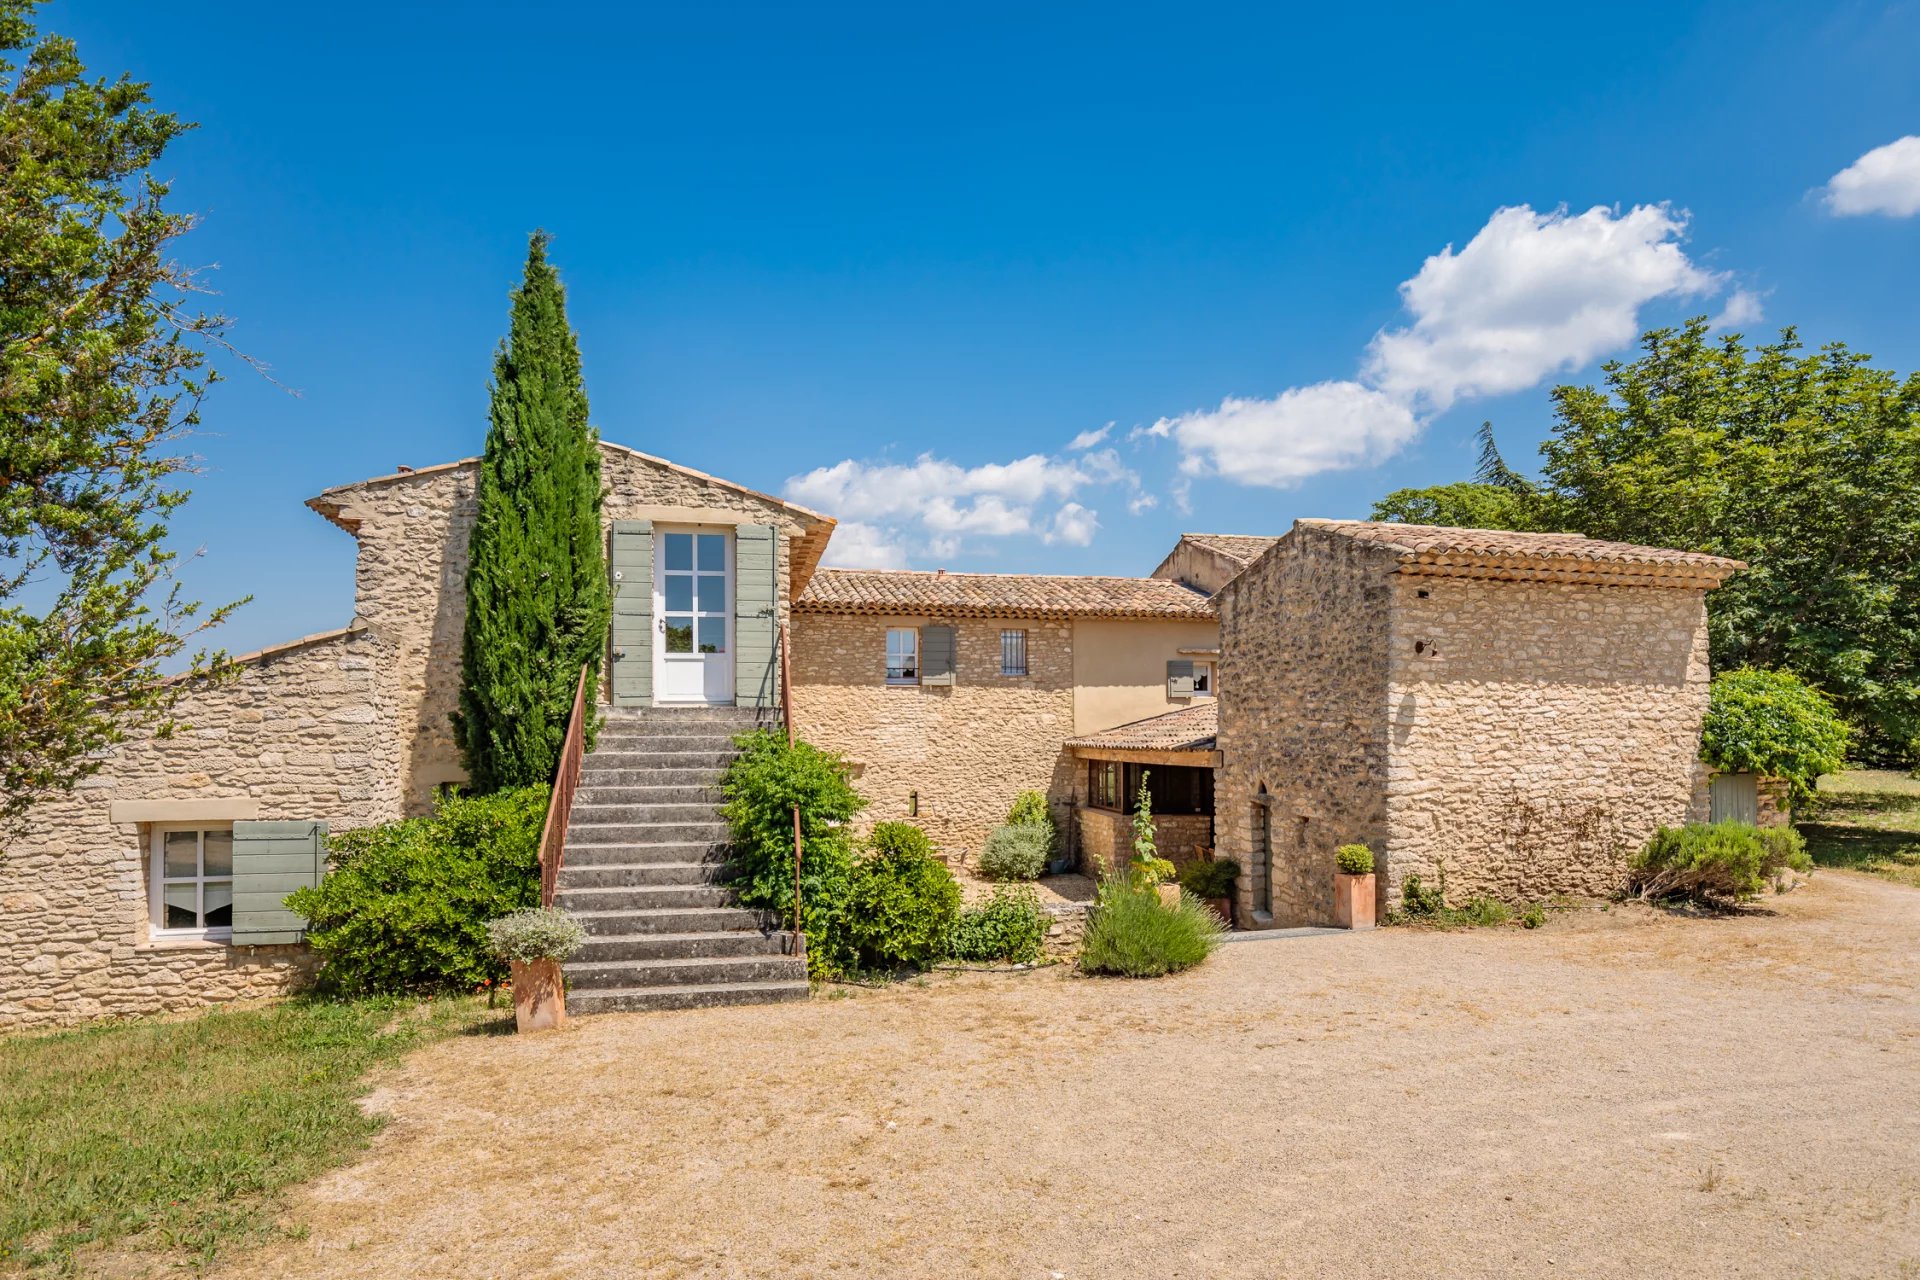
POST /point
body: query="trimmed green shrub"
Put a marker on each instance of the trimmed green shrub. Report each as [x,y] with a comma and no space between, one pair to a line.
[900,837]
[1017,851]
[1773,723]
[762,786]
[538,933]
[1715,862]
[1214,879]
[405,905]
[1354,859]
[1010,926]
[898,909]
[1131,932]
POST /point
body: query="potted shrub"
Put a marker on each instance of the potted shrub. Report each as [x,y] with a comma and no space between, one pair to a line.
[1353,887]
[1212,882]
[533,943]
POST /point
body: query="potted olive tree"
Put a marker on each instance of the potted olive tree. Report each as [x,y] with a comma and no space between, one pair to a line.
[1353,887]
[533,943]
[1212,882]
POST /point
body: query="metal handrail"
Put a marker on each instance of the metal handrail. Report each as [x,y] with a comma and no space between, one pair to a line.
[566,781]
[786,713]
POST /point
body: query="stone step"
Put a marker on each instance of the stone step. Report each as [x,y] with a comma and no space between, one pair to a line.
[698,970]
[686,715]
[673,740]
[620,875]
[712,763]
[643,898]
[614,855]
[582,834]
[684,946]
[651,776]
[641,815]
[645,999]
[630,922]
[649,793]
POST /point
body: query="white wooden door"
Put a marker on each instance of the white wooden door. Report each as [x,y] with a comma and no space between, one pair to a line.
[693,603]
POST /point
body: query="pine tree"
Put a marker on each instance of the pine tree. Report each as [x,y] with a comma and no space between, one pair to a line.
[537,598]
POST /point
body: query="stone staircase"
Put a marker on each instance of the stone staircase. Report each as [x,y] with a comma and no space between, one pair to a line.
[644,848]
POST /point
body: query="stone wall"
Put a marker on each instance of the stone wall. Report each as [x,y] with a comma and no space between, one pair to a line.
[410,580]
[299,734]
[967,750]
[1106,838]
[1538,732]
[1304,671]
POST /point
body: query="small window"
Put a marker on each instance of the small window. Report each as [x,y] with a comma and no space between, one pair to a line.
[1202,680]
[903,655]
[192,882]
[1105,782]
[1013,653]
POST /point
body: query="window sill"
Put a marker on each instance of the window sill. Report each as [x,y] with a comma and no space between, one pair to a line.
[186,942]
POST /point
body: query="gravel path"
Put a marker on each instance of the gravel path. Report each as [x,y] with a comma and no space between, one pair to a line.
[1617,1094]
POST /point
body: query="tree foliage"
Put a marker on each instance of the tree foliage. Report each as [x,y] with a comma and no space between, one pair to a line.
[1774,723]
[1805,465]
[1463,505]
[763,786]
[537,598]
[102,368]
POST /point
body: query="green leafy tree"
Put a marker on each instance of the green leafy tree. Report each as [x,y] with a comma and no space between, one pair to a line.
[537,598]
[102,368]
[1804,465]
[1774,723]
[1463,505]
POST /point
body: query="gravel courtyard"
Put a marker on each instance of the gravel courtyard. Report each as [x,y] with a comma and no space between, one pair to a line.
[1617,1094]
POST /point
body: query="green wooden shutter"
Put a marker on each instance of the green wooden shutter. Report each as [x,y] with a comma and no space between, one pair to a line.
[632,567]
[936,655]
[756,604]
[270,861]
[1179,678]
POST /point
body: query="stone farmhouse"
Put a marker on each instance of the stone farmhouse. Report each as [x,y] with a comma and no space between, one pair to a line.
[1507,713]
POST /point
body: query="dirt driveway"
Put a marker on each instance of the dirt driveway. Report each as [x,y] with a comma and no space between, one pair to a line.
[1617,1094]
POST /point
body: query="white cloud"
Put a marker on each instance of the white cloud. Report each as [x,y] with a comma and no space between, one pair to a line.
[1531,295]
[1074,525]
[861,546]
[1088,439]
[1742,308]
[1885,180]
[1301,432]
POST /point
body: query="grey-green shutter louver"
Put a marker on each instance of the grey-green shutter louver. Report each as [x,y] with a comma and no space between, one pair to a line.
[1179,678]
[270,861]
[756,607]
[631,564]
[936,655]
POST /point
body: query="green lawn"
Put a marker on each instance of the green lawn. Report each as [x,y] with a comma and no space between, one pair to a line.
[173,1136]
[1866,820]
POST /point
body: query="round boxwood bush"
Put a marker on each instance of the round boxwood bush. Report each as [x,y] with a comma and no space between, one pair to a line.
[1017,851]
[1354,860]
[1131,932]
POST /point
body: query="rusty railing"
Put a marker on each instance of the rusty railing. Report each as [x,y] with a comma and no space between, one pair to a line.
[786,714]
[566,780]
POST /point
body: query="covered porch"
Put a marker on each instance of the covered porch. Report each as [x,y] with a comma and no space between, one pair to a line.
[1175,755]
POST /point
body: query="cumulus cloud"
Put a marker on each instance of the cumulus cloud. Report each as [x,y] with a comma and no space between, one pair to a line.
[1742,307]
[1088,439]
[1886,180]
[929,506]
[1531,295]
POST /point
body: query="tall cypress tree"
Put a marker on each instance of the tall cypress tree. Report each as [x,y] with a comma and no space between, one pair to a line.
[537,598]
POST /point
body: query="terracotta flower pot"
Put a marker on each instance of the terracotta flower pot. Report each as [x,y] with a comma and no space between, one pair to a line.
[1223,907]
[539,996]
[1352,901]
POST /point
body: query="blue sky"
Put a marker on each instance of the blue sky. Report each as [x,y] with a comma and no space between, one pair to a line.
[806,246]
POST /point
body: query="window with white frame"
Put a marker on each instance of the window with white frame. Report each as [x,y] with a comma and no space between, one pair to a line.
[1203,679]
[192,882]
[1013,653]
[903,655]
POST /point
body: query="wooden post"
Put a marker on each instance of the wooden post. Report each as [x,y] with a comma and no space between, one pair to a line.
[786,712]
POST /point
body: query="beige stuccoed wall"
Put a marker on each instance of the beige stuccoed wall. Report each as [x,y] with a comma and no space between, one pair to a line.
[299,734]
[410,584]
[1304,673]
[1120,668]
[968,750]
[1538,732]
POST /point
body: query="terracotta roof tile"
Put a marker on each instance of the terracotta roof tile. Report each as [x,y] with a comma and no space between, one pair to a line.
[1241,548]
[1497,553]
[1191,728]
[999,595]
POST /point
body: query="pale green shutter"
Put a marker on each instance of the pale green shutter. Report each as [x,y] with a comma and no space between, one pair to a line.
[1180,678]
[270,861]
[756,607]
[632,569]
[936,655]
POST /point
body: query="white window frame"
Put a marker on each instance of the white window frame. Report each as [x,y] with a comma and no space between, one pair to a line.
[157,882]
[1026,662]
[1203,675]
[911,654]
